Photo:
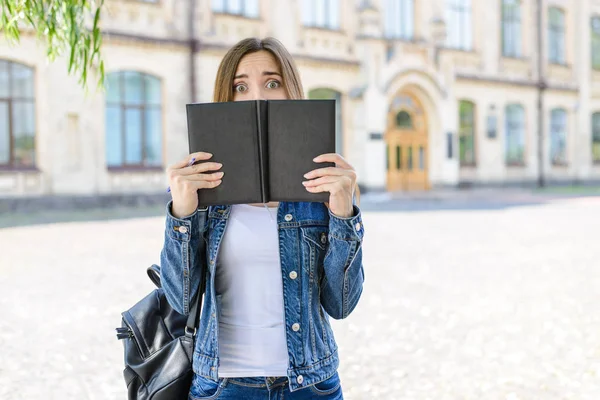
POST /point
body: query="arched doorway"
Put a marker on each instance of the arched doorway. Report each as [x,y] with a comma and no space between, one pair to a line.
[407,144]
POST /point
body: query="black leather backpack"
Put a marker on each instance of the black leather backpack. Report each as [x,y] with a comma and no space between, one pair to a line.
[159,344]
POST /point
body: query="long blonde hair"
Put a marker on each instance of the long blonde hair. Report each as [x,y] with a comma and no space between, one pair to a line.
[226,73]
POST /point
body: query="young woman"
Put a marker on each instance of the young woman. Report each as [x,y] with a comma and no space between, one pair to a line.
[275,272]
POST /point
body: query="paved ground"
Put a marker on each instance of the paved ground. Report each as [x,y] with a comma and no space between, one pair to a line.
[482,298]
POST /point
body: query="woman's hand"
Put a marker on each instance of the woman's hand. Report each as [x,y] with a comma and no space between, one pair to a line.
[185,179]
[339,181]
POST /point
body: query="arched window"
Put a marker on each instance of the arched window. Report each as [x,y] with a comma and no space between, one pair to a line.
[466,133]
[326,94]
[17,115]
[133,120]
[515,134]
[511,28]
[403,120]
[558,136]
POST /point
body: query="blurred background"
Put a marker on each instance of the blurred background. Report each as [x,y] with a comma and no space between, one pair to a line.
[474,128]
[430,93]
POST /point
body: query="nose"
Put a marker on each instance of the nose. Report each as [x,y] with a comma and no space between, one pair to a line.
[259,94]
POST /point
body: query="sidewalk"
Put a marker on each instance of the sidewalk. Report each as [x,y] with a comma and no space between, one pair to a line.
[483,194]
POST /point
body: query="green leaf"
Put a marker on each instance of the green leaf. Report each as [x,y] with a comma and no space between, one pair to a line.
[72,59]
[101,72]
[61,24]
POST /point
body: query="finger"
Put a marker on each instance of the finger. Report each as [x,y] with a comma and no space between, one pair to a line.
[191,185]
[321,181]
[177,177]
[334,158]
[203,177]
[197,156]
[199,168]
[327,187]
[205,184]
[315,173]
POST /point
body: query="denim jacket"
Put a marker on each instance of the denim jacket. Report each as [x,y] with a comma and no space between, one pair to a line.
[321,266]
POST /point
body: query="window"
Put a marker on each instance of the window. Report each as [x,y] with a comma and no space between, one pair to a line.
[399,19]
[466,133]
[133,120]
[596,138]
[515,134]
[246,8]
[326,94]
[596,42]
[321,13]
[403,120]
[511,28]
[459,24]
[17,116]
[556,35]
[558,137]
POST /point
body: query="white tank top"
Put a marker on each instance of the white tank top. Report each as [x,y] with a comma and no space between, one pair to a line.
[249,292]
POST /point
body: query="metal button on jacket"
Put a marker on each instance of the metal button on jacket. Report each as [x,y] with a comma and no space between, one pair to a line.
[296,327]
[288,217]
[293,274]
[358,226]
[300,379]
[183,229]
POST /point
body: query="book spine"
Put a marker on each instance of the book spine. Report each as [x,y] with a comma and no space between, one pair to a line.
[263,149]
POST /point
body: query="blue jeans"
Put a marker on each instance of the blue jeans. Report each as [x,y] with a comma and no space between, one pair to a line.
[263,388]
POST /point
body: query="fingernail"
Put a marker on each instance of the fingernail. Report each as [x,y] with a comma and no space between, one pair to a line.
[305,183]
[306,175]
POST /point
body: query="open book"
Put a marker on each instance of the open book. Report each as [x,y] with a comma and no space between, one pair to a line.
[265,146]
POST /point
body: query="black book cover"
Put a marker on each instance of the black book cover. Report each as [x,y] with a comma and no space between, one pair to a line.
[265,146]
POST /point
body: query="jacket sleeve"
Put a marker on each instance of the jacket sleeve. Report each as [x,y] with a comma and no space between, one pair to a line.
[182,258]
[341,286]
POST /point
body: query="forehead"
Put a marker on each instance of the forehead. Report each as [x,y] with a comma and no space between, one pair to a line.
[261,60]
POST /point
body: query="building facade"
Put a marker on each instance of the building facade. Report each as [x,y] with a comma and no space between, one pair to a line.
[429,93]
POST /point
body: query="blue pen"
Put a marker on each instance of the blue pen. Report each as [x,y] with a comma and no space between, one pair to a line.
[192,161]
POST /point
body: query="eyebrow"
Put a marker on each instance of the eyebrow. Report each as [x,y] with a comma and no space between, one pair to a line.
[266,73]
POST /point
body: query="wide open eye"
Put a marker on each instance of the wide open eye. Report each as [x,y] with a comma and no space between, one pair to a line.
[240,88]
[274,84]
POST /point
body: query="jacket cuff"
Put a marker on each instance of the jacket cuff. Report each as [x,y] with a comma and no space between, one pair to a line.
[182,228]
[350,228]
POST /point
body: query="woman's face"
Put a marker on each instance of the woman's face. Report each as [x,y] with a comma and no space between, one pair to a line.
[258,77]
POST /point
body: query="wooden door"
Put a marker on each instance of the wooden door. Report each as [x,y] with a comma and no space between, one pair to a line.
[407,145]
